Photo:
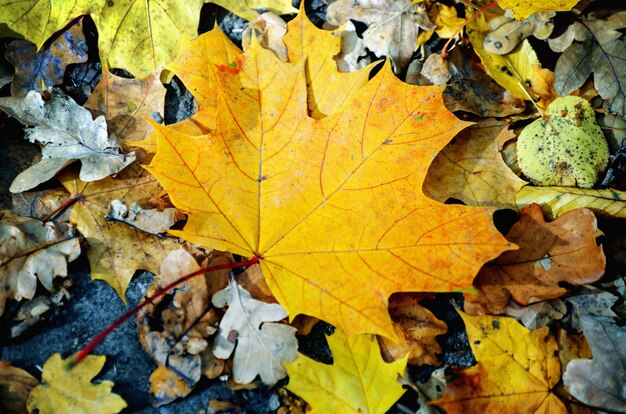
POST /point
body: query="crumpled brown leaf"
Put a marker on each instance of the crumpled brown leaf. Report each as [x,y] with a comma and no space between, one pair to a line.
[417,329]
[181,345]
[601,381]
[67,133]
[34,69]
[599,49]
[564,250]
[262,345]
[393,26]
[30,251]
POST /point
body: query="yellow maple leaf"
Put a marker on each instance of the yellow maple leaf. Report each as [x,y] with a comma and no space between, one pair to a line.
[516,372]
[70,390]
[358,381]
[246,8]
[524,8]
[116,250]
[332,207]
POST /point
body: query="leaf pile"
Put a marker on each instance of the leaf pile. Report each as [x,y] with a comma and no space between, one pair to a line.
[315,189]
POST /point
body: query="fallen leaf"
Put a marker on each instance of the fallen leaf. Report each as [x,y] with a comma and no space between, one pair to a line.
[471,89]
[116,250]
[417,329]
[525,8]
[368,384]
[262,345]
[599,52]
[516,372]
[15,386]
[32,251]
[137,36]
[556,201]
[600,382]
[328,89]
[590,301]
[565,146]
[535,315]
[564,250]
[125,102]
[166,386]
[352,55]
[34,68]
[471,169]
[39,204]
[269,30]
[446,19]
[513,71]
[187,320]
[351,199]
[150,221]
[507,32]
[542,86]
[67,133]
[246,8]
[70,390]
[428,391]
[216,406]
[393,27]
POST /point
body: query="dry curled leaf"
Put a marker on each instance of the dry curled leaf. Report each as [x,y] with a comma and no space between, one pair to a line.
[564,250]
[187,322]
[70,390]
[32,251]
[150,221]
[249,328]
[393,27]
[67,133]
[417,329]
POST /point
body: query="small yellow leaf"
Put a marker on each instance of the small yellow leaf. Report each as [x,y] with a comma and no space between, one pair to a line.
[525,8]
[556,201]
[358,381]
[517,369]
[513,71]
[70,390]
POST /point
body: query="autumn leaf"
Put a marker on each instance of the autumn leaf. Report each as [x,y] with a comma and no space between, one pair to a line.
[599,49]
[471,168]
[351,199]
[46,67]
[564,250]
[507,33]
[417,329]
[556,201]
[393,27]
[116,250]
[565,146]
[600,382]
[246,8]
[512,71]
[32,251]
[525,8]
[67,133]
[137,36]
[368,384]
[125,102]
[150,221]
[516,372]
[327,88]
[262,345]
[70,390]
[187,322]
[15,386]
